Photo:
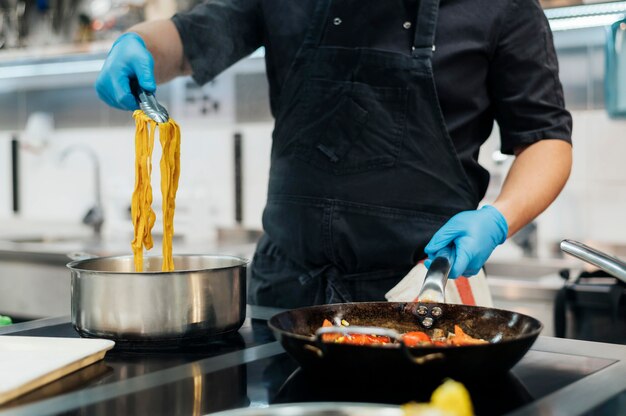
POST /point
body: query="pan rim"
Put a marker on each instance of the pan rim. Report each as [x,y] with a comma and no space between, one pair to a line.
[530,335]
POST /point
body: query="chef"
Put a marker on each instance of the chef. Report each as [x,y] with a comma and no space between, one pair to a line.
[381,108]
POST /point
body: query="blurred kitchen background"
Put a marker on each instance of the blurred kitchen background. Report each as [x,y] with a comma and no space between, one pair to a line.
[66,159]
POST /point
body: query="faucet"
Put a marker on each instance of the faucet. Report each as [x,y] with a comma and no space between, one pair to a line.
[95,215]
[526,239]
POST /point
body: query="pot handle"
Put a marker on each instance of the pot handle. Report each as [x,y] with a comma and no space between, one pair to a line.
[394,335]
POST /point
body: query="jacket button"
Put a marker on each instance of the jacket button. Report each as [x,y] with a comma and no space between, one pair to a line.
[406,25]
[336,21]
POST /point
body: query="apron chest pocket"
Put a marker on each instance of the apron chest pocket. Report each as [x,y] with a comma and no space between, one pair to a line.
[351,127]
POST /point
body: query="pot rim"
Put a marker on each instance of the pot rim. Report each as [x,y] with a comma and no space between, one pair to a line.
[75,265]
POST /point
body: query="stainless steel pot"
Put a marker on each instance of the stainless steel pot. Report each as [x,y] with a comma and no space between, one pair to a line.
[204,297]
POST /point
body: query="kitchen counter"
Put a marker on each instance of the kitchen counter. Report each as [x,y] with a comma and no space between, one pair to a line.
[250,369]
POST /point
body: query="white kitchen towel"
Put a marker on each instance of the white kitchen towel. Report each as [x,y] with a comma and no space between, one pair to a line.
[465,291]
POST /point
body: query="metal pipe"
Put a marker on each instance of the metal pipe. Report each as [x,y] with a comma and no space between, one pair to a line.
[238,179]
[15,170]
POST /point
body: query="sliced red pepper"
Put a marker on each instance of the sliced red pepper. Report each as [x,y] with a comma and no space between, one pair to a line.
[364,339]
[415,338]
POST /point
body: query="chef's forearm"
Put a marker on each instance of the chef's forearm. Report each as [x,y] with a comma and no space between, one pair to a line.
[163,42]
[535,179]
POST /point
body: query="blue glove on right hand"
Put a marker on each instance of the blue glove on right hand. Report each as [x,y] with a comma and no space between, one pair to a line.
[472,235]
[129,58]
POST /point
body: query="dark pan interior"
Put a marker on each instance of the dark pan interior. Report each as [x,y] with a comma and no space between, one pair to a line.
[511,335]
[490,324]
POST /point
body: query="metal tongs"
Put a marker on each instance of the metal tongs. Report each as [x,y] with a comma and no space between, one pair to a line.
[148,103]
[426,308]
[433,291]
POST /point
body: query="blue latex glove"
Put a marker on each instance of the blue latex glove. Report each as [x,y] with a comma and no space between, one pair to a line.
[473,235]
[128,58]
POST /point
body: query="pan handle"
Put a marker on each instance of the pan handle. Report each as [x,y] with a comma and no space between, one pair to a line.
[422,359]
[373,330]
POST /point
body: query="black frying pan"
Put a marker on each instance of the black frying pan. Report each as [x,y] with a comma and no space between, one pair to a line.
[510,334]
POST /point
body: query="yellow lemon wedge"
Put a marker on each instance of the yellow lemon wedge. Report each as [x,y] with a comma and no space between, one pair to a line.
[452,397]
[449,399]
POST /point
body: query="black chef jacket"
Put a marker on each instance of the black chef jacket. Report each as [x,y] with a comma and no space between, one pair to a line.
[494,59]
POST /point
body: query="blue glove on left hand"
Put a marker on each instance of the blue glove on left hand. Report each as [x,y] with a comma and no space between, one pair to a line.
[474,235]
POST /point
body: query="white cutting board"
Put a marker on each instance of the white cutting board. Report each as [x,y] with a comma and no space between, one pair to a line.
[27,363]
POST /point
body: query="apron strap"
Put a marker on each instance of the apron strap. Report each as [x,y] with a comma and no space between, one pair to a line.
[424,43]
[465,291]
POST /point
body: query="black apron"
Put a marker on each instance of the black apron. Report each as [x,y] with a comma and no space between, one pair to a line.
[363,171]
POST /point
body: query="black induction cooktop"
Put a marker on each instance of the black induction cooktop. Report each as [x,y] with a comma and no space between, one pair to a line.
[250,369]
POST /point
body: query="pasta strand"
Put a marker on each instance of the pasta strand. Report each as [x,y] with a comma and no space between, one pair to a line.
[143,216]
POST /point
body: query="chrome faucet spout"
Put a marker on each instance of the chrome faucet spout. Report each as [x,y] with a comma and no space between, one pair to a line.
[95,215]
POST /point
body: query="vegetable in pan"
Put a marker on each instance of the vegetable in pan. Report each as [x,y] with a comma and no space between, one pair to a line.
[411,339]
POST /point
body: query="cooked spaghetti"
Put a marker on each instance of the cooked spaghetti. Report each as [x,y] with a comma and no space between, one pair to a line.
[142,214]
